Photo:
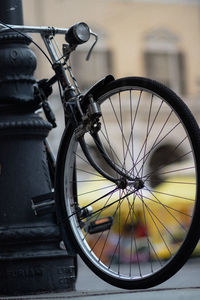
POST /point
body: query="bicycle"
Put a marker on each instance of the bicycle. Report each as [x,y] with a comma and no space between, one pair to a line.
[119,209]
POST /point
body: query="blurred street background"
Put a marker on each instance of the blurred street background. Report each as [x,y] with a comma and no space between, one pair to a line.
[156,39]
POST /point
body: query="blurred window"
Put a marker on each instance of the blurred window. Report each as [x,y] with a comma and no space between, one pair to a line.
[164,62]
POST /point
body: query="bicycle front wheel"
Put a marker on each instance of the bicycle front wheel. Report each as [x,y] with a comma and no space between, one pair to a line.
[139,232]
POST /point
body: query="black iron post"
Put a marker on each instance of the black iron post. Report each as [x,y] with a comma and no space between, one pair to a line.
[31,260]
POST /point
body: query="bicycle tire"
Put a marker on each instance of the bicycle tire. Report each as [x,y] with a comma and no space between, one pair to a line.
[156,226]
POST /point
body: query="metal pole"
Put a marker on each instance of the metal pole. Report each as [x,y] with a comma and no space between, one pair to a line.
[31,259]
[11,12]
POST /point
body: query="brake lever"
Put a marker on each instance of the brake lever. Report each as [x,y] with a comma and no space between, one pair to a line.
[90,51]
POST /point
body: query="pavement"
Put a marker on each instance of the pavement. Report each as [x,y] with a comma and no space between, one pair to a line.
[184,285]
[182,294]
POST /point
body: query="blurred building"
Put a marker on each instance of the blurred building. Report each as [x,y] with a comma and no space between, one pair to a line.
[156,39]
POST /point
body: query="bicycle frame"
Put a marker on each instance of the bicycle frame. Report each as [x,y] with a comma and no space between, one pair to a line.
[87,121]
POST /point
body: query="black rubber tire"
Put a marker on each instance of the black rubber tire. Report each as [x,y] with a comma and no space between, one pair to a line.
[177,260]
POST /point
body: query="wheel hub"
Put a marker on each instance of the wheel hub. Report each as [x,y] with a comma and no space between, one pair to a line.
[137,183]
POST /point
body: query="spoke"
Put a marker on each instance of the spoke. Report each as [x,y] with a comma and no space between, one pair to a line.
[113,153]
[155,142]
[116,247]
[171,162]
[96,217]
[87,172]
[89,180]
[132,125]
[96,214]
[96,190]
[132,234]
[82,158]
[147,236]
[167,207]
[98,199]
[133,237]
[119,228]
[147,134]
[112,164]
[175,182]
[175,171]
[154,146]
[122,130]
[168,159]
[150,214]
[131,152]
[119,199]
[172,195]
[118,207]
[131,131]
[118,122]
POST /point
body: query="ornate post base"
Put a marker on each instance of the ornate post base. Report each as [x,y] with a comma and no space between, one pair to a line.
[31,260]
[20,276]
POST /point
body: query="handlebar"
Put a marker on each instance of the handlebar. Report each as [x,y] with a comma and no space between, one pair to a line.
[75,35]
[46,30]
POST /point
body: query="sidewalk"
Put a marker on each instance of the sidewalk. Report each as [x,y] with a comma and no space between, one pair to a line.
[184,285]
[153,294]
